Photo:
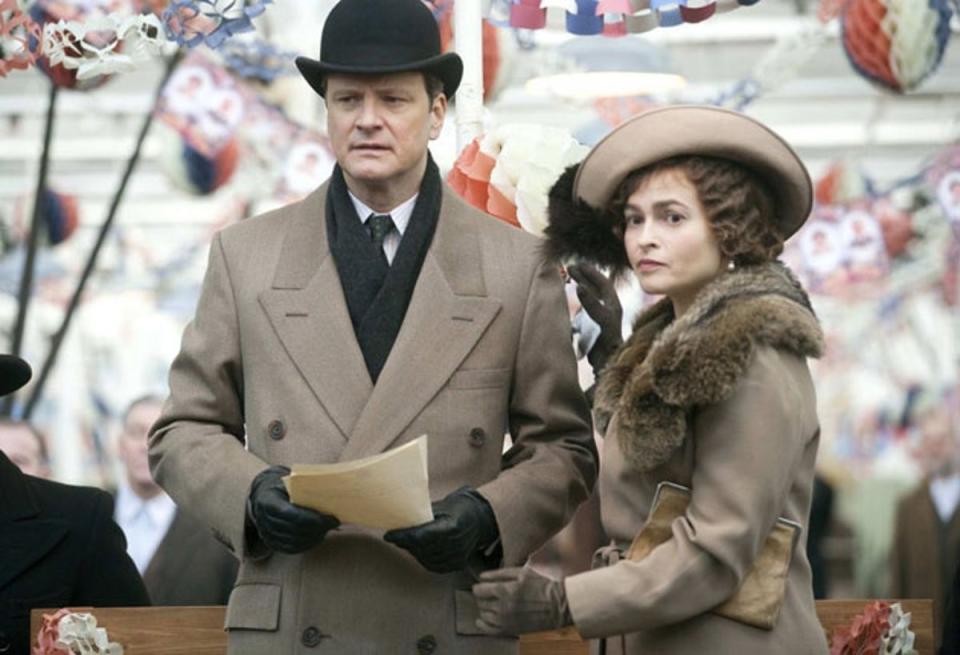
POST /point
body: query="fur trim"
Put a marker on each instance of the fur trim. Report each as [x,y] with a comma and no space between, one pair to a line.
[667,367]
[575,230]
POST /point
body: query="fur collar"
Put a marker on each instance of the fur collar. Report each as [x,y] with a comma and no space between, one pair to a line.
[667,367]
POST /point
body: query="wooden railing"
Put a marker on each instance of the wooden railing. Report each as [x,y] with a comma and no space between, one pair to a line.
[199,630]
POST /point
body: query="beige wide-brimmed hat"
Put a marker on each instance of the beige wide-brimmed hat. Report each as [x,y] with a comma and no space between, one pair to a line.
[698,130]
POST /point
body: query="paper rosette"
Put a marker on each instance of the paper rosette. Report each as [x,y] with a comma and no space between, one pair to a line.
[192,170]
[60,216]
[508,173]
[895,43]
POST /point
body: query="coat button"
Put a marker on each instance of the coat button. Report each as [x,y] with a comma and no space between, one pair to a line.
[426,644]
[478,437]
[312,637]
[277,430]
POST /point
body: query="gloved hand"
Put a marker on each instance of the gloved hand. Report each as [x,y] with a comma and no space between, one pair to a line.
[599,299]
[520,600]
[283,526]
[463,524]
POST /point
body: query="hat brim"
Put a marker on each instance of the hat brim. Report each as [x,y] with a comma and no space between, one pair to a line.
[448,67]
[14,373]
[667,132]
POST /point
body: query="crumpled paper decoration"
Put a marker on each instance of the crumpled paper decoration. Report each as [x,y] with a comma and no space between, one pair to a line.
[17,28]
[895,43]
[69,633]
[900,639]
[508,173]
[103,45]
[192,22]
[863,636]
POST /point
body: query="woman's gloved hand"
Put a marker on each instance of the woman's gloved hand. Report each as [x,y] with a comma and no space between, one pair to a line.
[599,299]
[520,600]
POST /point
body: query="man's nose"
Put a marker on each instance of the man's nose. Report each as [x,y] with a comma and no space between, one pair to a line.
[369,114]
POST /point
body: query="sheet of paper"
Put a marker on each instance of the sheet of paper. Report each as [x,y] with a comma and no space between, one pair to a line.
[386,491]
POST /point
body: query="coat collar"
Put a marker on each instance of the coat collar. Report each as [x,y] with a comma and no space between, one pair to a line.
[19,502]
[447,315]
[669,366]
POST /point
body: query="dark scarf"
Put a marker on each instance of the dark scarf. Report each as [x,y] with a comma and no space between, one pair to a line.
[377,294]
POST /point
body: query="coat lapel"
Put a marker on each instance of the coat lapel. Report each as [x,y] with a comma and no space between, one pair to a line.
[448,313]
[24,539]
[306,307]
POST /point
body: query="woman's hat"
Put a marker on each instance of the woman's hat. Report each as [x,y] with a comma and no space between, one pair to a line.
[698,130]
[14,373]
[362,37]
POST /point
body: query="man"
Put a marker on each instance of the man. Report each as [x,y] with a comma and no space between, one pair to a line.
[58,545]
[180,561]
[24,446]
[326,332]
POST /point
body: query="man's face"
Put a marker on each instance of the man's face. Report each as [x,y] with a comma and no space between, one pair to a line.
[132,444]
[20,445]
[379,127]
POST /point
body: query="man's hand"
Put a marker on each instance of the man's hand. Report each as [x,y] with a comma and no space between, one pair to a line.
[599,299]
[520,600]
[283,526]
[463,524]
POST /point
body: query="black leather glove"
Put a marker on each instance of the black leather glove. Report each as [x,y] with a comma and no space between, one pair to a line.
[516,601]
[463,524]
[281,525]
[599,299]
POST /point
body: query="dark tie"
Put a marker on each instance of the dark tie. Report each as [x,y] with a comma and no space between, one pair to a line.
[380,225]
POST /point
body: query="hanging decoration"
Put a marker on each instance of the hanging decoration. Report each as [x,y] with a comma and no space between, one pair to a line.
[17,31]
[204,104]
[256,59]
[65,40]
[895,44]
[102,45]
[60,214]
[611,18]
[212,22]
[509,171]
[196,172]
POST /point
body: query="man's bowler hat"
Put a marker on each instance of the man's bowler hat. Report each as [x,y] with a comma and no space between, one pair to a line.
[363,37]
[14,373]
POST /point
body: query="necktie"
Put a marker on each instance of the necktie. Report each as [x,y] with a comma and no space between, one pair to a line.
[380,225]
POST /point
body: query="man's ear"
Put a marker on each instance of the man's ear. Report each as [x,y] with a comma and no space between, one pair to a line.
[438,111]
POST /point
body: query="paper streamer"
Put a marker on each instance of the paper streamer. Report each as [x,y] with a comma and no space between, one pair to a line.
[192,22]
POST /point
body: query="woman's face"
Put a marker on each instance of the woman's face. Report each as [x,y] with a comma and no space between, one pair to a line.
[670,244]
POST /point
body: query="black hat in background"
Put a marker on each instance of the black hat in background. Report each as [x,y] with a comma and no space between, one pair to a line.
[14,373]
[363,37]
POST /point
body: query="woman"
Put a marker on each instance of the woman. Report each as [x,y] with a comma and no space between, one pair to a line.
[711,391]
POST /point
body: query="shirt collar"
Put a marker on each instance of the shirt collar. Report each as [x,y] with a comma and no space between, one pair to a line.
[159,509]
[400,214]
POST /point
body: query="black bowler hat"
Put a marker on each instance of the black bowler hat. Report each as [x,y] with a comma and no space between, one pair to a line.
[14,373]
[381,36]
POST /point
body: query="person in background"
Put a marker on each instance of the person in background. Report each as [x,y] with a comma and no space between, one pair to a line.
[821,512]
[180,561]
[711,391]
[58,545]
[25,446]
[926,539]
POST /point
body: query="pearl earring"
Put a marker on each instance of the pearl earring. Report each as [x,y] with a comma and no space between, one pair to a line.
[731,266]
